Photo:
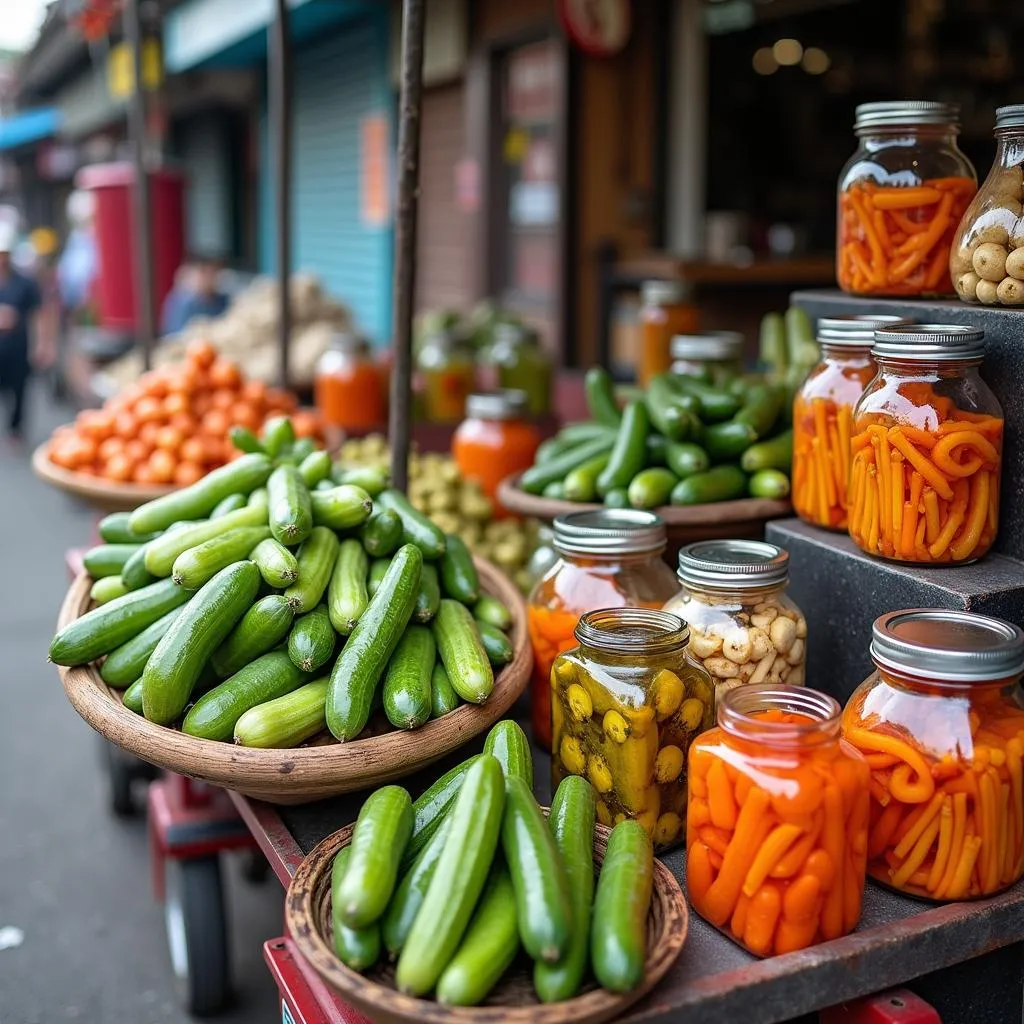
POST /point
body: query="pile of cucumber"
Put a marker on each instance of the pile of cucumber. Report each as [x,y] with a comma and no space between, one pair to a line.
[452,885]
[280,595]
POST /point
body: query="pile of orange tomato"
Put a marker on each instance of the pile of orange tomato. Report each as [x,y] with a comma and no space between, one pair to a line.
[171,426]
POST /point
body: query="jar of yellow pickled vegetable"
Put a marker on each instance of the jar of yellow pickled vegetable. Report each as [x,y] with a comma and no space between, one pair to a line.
[626,704]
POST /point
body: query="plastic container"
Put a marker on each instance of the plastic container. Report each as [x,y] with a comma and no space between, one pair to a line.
[901,197]
[927,449]
[743,627]
[607,558]
[941,723]
[823,417]
[448,369]
[666,312]
[495,440]
[627,703]
[522,365]
[987,261]
[716,357]
[777,821]
[348,387]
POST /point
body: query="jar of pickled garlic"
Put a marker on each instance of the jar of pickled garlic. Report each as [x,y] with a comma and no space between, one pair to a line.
[348,387]
[448,369]
[743,627]
[666,311]
[926,449]
[716,357]
[941,724]
[987,261]
[901,197]
[626,704]
[823,417]
[777,822]
[607,558]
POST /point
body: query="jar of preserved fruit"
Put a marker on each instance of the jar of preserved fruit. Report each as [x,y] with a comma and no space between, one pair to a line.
[715,357]
[941,724]
[626,704]
[607,558]
[666,312]
[743,627]
[823,417]
[777,822]
[522,365]
[987,261]
[448,367]
[348,386]
[901,197]
[927,449]
[495,440]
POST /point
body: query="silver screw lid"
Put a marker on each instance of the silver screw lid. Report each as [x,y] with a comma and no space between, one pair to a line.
[909,113]
[854,331]
[733,565]
[1010,117]
[349,342]
[609,531]
[711,345]
[507,404]
[661,293]
[929,343]
[947,645]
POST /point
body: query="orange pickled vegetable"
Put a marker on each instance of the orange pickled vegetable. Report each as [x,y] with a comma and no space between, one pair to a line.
[551,633]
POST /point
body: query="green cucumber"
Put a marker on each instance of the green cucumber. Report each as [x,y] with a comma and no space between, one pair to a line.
[245,440]
[443,698]
[108,559]
[714,403]
[107,588]
[382,830]
[600,394]
[194,567]
[539,477]
[312,639]
[381,534]
[315,467]
[132,697]
[458,571]
[775,453]
[291,509]
[359,667]
[378,570]
[428,596]
[316,563]
[587,430]
[161,553]
[685,458]
[769,483]
[433,804]
[508,743]
[555,489]
[357,948]
[572,824]
[183,651]
[259,498]
[490,610]
[657,449]
[201,498]
[325,485]
[407,700]
[488,947]
[721,483]
[302,449]
[259,630]
[105,628]
[617,498]
[277,565]
[232,503]
[773,351]
[726,442]
[462,651]
[286,721]
[416,528]
[114,529]
[214,715]
[651,487]
[538,875]
[761,408]
[278,435]
[630,451]
[123,665]
[347,596]
[135,574]
[673,412]
[618,932]
[458,880]
[372,479]
[580,484]
[342,507]
[550,448]
[496,644]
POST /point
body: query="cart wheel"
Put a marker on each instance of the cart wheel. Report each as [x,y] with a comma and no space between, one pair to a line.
[197,934]
[120,773]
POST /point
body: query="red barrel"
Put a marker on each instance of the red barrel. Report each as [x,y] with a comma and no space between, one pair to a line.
[115,237]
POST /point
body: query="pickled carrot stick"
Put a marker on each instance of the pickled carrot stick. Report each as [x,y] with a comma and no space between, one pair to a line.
[956,844]
[793,935]
[738,922]
[977,512]
[930,500]
[945,842]
[861,440]
[962,420]
[884,464]
[931,813]
[857,483]
[921,463]
[834,842]
[762,917]
[918,246]
[876,762]
[953,522]
[865,740]
[992,519]
[962,876]
[793,860]
[720,798]
[714,838]
[910,513]
[874,504]
[844,424]
[742,788]
[937,268]
[853,893]
[699,873]
[838,466]
[822,441]
[990,859]
[1005,824]
[921,438]
[920,551]
[800,900]
[879,265]
[896,496]
[879,792]
[878,219]
[906,225]
[1015,767]
[779,840]
[905,198]
[908,788]
[697,812]
[862,265]
[884,830]
[965,185]
[716,860]
[823,479]
[915,857]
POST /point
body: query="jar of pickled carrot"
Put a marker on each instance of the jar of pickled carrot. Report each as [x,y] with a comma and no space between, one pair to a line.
[495,440]
[348,387]
[927,449]
[777,821]
[666,312]
[448,370]
[901,197]
[823,417]
[941,724]
[607,558]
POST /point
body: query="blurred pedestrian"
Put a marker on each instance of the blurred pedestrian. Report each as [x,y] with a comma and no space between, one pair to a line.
[196,293]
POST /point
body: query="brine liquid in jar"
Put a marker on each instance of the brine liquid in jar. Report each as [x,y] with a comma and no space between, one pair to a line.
[666,312]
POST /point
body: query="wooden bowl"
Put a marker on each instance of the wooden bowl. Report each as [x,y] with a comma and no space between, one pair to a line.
[313,771]
[105,495]
[307,913]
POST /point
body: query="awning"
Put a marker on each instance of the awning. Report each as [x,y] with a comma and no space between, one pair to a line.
[28,126]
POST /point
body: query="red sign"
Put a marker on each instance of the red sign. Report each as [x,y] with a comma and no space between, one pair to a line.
[598,27]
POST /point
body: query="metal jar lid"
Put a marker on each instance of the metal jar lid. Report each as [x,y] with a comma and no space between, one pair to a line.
[947,645]
[733,565]
[1010,117]
[854,331]
[713,345]
[909,113]
[609,531]
[662,293]
[929,343]
[507,404]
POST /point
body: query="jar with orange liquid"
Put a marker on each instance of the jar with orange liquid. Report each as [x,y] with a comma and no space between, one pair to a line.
[607,558]
[777,821]
[448,370]
[665,313]
[941,724]
[348,388]
[823,417]
[927,449]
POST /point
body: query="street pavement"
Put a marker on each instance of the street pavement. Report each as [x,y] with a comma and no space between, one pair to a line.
[81,938]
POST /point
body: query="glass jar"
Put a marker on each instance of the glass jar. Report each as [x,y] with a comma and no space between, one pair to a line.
[715,357]
[607,558]
[666,312]
[522,365]
[627,703]
[777,822]
[348,387]
[927,449]
[901,196]
[941,724]
[823,417]
[495,440]
[743,627]
[449,372]
[987,260]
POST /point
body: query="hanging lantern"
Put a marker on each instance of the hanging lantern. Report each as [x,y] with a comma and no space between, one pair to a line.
[93,18]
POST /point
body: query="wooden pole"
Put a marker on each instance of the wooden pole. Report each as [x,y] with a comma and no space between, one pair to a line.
[281,143]
[410,103]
